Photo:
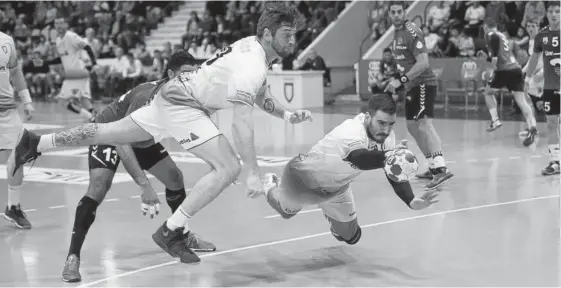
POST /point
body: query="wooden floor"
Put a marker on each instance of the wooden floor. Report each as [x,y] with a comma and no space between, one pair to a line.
[497,223]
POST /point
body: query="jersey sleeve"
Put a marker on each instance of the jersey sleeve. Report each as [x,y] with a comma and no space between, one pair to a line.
[13,61]
[417,44]
[349,137]
[248,82]
[78,41]
[538,43]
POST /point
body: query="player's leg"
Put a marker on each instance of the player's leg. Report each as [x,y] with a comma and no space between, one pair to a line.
[120,132]
[411,109]
[11,128]
[419,119]
[70,94]
[516,86]
[551,107]
[103,161]
[156,160]
[491,102]
[340,211]
[196,132]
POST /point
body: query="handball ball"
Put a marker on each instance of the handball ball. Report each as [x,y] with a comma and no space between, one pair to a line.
[401,165]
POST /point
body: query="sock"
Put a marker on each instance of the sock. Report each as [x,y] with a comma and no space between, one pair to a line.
[430,160]
[46,142]
[175,198]
[85,114]
[438,159]
[553,152]
[178,219]
[13,195]
[494,114]
[85,216]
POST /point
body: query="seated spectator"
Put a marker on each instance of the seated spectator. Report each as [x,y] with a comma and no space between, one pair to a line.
[116,73]
[156,70]
[438,15]
[496,10]
[535,11]
[192,30]
[475,14]
[94,43]
[133,74]
[388,69]
[142,54]
[37,74]
[431,39]
[521,38]
[315,62]
[466,45]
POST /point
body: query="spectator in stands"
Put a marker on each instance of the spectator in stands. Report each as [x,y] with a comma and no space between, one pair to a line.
[156,70]
[316,62]
[466,45]
[446,47]
[43,47]
[142,54]
[475,14]
[93,42]
[496,10]
[521,37]
[38,76]
[431,40]
[207,25]
[388,69]
[133,74]
[438,15]
[535,11]
[116,73]
[378,20]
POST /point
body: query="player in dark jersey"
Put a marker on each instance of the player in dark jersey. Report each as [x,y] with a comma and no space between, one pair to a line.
[546,45]
[507,73]
[103,161]
[416,79]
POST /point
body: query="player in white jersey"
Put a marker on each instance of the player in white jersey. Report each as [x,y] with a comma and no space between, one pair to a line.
[11,126]
[323,176]
[75,91]
[234,79]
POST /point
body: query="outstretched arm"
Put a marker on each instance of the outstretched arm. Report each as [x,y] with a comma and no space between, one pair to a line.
[268,103]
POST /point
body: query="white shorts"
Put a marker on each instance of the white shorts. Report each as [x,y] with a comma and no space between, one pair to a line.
[294,196]
[189,126]
[75,88]
[11,128]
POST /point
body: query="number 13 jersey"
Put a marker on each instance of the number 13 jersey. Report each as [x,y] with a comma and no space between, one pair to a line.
[234,75]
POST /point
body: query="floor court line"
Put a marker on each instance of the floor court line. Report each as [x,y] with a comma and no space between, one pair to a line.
[230,251]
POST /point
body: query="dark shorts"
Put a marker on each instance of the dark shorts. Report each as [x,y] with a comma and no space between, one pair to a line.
[513,80]
[551,101]
[106,157]
[420,102]
[535,99]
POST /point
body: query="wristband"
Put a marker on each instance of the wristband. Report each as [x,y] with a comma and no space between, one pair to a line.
[24,96]
[287,115]
[403,79]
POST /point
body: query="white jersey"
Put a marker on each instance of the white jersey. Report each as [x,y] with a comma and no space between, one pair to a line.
[233,75]
[69,47]
[325,165]
[8,60]
[536,85]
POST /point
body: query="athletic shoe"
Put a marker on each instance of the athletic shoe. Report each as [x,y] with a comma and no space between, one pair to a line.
[26,150]
[551,169]
[443,175]
[197,243]
[172,242]
[16,216]
[530,137]
[427,174]
[494,125]
[71,271]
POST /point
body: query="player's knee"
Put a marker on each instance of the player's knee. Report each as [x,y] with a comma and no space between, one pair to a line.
[348,232]
[98,188]
[230,169]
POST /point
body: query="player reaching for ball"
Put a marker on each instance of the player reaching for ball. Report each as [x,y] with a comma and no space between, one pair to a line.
[323,176]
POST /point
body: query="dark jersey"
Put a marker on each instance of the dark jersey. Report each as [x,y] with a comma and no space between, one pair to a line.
[499,46]
[408,42]
[128,103]
[547,42]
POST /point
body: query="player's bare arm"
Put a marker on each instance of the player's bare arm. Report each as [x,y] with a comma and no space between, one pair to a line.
[420,66]
[243,133]
[18,80]
[150,201]
[268,103]
[404,191]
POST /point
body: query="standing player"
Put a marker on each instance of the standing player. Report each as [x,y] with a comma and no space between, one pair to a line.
[416,79]
[11,126]
[546,46]
[323,176]
[103,162]
[234,79]
[535,87]
[75,89]
[507,73]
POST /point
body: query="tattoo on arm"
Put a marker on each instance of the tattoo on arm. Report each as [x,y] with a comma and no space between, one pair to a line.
[77,135]
[269,105]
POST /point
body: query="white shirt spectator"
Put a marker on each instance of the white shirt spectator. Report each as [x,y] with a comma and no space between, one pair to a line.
[474,15]
[438,15]
[430,40]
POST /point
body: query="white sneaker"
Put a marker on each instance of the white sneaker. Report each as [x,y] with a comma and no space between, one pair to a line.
[270,181]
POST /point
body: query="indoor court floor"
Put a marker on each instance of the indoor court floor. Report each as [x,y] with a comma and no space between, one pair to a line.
[497,222]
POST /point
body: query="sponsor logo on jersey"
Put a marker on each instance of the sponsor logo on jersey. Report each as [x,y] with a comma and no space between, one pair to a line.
[5,49]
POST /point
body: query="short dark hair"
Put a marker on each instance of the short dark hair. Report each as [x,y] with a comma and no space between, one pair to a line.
[551,4]
[400,3]
[274,15]
[178,59]
[381,101]
[387,50]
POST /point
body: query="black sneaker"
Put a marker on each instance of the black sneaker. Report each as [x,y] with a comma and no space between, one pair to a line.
[172,242]
[197,243]
[427,174]
[16,216]
[551,169]
[26,150]
[530,137]
[71,271]
[443,174]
